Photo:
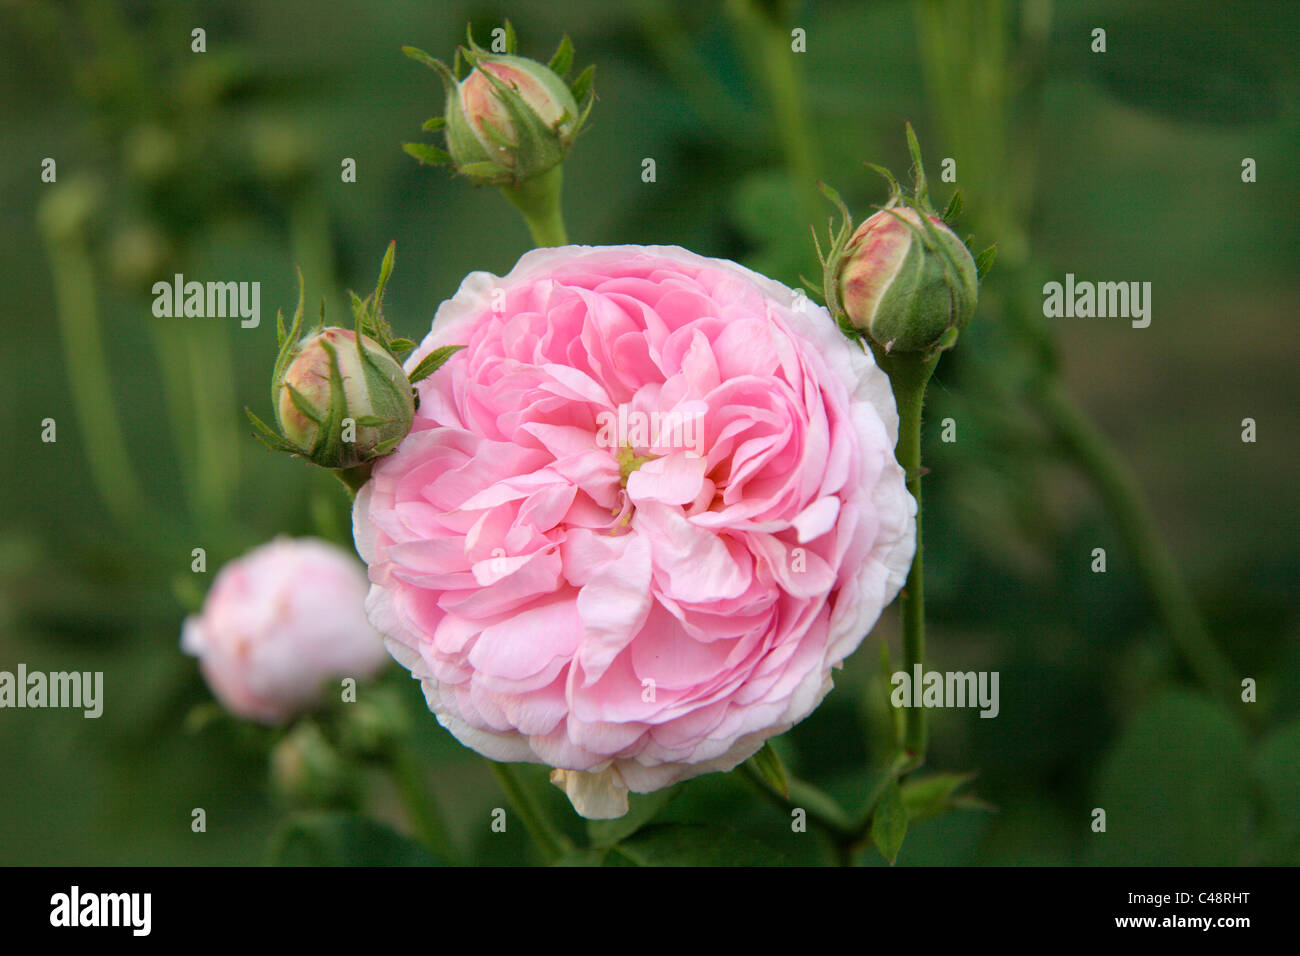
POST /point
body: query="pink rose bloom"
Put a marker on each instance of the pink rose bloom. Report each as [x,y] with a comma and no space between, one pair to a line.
[280,622]
[639,519]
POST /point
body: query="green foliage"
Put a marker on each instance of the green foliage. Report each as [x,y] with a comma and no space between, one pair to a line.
[1176,788]
[889,822]
[1276,767]
[768,764]
[338,839]
[432,362]
[681,844]
[1175,68]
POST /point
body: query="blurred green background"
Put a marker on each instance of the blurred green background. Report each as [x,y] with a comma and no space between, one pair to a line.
[225,165]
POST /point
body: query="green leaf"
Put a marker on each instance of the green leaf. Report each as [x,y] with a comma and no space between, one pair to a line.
[432,362]
[343,839]
[642,808]
[288,340]
[385,272]
[1277,769]
[301,403]
[953,209]
[401,345]
[512,41]
[984,261]
[690,844]
[768,764]
[419,56]
[928,796]
[485,171]
[562,61]
[1175,789]
[446,74]
[833,195]
[594,856]
[921,189]
[386,446]
[582,85]
[426,154]
[360,306]
[894,188]
[268,436]
[889,822]
[434,123]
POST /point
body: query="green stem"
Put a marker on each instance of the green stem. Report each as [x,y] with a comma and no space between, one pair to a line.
[216,437]
[822,810]
[1123,497]
[178,394]
[908,374]
[913,597]
[88,383]
[354,478]
[420,807]
[538,200]
[550,842]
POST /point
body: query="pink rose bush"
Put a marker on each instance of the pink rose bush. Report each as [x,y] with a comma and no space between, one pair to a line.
[639,519]
[280,622]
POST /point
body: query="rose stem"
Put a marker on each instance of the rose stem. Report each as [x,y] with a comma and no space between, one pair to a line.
[551,843]
[538,200]
[908,374]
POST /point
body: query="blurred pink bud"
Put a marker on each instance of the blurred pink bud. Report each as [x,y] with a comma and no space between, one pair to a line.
[279,623]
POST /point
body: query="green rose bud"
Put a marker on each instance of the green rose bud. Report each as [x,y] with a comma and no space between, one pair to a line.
[308,772]
[341,396]
[343,404]
[902,280]
[905,282]
[511,119]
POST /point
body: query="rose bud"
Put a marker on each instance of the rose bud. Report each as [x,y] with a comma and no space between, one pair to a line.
[511,119]
[341,405]
[341,396]
[906,282]
[307,771]
[280,623]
